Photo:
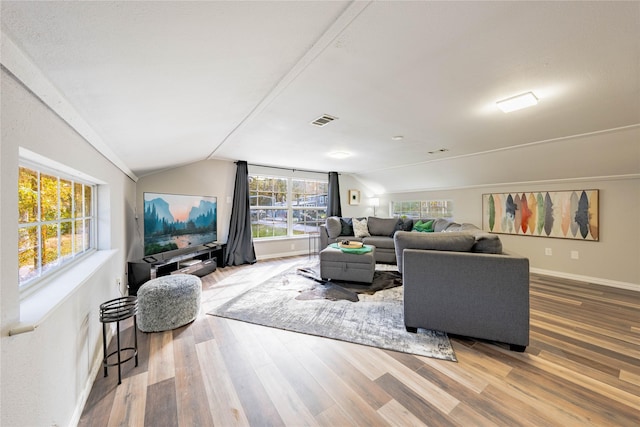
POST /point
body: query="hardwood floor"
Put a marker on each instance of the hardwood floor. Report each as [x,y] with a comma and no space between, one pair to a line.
[582,368]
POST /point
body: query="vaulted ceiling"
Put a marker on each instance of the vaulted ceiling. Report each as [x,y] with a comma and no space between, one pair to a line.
[157,85]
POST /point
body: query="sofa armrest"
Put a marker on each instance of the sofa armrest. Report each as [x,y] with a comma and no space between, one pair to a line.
[324,237]
[473,294]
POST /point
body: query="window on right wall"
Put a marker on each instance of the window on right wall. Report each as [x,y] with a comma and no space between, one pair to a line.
[422,209]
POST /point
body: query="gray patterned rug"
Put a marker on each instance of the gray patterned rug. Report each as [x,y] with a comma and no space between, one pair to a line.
[298,301]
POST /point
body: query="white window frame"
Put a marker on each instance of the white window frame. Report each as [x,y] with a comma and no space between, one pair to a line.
[40,278]
[291,209]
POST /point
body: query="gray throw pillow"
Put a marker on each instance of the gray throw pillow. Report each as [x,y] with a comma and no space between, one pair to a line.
[334,227]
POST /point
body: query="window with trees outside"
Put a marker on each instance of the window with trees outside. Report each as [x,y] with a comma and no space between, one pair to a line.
[285,207]
[56,222]
[423,209]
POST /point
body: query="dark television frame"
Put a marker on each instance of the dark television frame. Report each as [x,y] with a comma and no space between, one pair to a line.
[178,204]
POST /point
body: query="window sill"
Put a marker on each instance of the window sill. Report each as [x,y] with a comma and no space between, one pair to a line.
[35,308]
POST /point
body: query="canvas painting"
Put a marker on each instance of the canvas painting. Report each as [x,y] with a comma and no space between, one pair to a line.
[561,214]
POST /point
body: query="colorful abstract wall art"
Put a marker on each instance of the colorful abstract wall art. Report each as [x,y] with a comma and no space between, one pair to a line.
[561,214]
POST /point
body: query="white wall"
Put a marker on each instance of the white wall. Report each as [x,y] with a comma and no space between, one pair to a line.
[204,178]
[217,178]
[45,374]
[615,259]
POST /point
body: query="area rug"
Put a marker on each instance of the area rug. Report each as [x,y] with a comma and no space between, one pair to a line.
[298,301]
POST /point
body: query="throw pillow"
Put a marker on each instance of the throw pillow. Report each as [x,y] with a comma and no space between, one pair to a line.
[347,227]
[424,227]
[360,228]
[334,227]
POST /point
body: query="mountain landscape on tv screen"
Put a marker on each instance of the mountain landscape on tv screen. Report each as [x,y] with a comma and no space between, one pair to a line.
[163,232]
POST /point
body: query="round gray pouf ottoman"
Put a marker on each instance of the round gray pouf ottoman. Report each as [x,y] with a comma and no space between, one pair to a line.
[168,302]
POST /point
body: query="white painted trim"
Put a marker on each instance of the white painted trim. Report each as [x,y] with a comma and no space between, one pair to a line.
[21,66]
[36,307]
[588,279]
[523,183]
[284,254]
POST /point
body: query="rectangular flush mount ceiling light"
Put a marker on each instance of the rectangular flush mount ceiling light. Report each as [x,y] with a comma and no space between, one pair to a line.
[517,102]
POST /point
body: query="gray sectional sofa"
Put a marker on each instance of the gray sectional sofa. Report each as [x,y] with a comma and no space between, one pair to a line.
[456,279]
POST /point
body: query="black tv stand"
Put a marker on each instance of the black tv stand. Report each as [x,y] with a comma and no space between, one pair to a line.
[200,261]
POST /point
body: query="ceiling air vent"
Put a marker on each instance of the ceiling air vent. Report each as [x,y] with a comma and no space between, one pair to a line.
[323,120]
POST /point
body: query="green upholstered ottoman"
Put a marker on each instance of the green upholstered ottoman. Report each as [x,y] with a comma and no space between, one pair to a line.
[168,302]
[338,265]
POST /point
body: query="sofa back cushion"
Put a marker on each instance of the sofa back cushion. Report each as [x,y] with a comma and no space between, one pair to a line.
[383,226]
[455,241]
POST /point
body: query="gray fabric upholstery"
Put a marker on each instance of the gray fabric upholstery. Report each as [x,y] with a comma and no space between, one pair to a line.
[334,227]
[383,226]
[168,302]
[484,242]
[483,296]
[455,241]
[338,265]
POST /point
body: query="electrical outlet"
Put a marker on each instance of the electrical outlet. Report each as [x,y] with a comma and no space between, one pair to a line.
[574,255]
[548,251]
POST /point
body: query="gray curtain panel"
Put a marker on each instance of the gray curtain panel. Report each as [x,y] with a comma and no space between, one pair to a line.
[333,203]
[240,248]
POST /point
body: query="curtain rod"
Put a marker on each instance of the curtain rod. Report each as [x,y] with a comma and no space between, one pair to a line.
[286,169]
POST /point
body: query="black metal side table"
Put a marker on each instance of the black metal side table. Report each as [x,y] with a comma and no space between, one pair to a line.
[117,310]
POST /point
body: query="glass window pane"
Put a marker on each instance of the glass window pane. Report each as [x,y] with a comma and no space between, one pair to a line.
[49,197]
[77,200]
[27,196]
[66,240]
[78,237]
[65,199]
[88,197]
[87,234]
[27,253]
[50,255]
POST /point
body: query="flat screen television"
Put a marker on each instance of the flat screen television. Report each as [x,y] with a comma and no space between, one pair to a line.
[178,221]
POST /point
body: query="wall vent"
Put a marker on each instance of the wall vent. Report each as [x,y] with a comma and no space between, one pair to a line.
[323,120]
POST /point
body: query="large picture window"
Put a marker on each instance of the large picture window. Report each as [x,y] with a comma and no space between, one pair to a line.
[284,207]
[423,209]
[55,222]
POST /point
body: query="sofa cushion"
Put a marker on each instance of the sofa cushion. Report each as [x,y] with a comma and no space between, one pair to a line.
[458,242]
[382,226]
[347,226]
[441,224]
[334,227]
[380,242]
[487,243]
[360,228]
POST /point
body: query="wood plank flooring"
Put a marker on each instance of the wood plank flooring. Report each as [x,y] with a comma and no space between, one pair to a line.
[582,368]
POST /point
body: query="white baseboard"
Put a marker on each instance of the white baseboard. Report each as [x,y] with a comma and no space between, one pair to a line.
[284,254]
[588,279]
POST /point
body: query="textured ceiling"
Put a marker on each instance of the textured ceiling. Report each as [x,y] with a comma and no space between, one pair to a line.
[164,84]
